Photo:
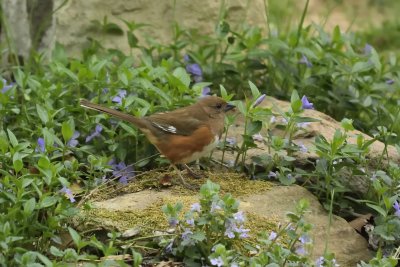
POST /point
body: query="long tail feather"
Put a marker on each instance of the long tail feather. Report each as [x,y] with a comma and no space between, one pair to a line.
[126,117]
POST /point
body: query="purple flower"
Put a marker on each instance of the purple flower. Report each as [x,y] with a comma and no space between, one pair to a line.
[186,58]
[272,235]
[5,86]
[273,119]
[168,248]
[396,206]
[302,148]
[73,142]
[68,193]
[231,141]
[214,207]
[229,233]
[239,217]
[41,145]
[306,103]
[190,221]
[187,237]
[206,91]
[195,207]
[272,174]
[173,222]
[367,49]
[300,250]
[217,261]
[304,60]
[118,98]
[303,124]
[122,171]
[390,81]
[258,137]
[259,100]
[232,228]
[96,133]
[320,262]
[305,239]
[194,69]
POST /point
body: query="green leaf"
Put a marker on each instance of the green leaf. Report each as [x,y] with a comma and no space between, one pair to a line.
[295,102]
[17,162]
[29,206]
[378,209]
[254,90]
[75,236]
[12,138]
[361,67]
[132,40]
[42,112]
[123,78]
[182,75]
[47,202]
[56,252]
[68,129]
[347,124]
[112,28]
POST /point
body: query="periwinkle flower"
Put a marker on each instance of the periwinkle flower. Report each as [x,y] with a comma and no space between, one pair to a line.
[396,206]
[194,69]
[367,49]
[320,262]
[272,236]
[306,104]
[190,221]
[258,137]
[187,237]
[41,145]
[214,207]
[5,86]
[73,142]
[195,207]
[259,100]
[302,148]
[239,217]
[68,193]
[118,98]
[205,91]
[186,58]
[231,141]
[273,119]
[217,261]
[303,124]
[304,239]
[122,171]
[95,133]
[389,81]
[300,250]
[173,221]
[272,174]
[304,60]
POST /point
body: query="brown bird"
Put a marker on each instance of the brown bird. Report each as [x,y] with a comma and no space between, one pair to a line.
[182,135]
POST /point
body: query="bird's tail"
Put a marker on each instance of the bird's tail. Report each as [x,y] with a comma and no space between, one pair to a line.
[126,117]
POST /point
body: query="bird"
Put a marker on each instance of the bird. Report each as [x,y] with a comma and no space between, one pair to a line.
[182,135]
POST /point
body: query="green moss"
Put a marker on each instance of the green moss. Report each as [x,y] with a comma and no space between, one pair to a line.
[152,218]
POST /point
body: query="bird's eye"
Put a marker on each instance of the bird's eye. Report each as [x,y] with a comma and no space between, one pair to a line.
[218,106]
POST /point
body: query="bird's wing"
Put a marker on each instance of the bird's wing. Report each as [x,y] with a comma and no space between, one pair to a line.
[175,124]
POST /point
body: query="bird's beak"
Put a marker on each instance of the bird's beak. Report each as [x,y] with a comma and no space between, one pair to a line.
[229,107]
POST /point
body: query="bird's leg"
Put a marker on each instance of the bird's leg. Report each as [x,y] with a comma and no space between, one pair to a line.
[191,172]
[181,177]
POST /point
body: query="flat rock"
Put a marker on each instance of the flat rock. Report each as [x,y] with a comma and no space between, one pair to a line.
[348,246]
